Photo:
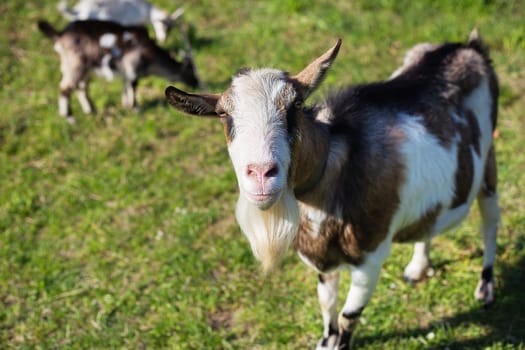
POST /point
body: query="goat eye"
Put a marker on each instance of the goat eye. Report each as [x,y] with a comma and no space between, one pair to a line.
[298,104]
[222,114]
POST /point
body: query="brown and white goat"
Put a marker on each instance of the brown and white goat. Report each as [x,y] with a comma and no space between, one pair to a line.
[110,48]
[399,160]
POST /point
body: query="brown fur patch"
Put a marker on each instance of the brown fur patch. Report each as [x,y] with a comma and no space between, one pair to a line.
[309,153]
[66,91]
[375,196]
[438,121]
[419,229]
[325,251]
[472,133]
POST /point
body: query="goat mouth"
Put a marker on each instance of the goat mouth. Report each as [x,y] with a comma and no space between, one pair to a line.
[263,200]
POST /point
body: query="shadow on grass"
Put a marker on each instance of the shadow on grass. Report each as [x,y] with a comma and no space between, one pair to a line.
[505,320]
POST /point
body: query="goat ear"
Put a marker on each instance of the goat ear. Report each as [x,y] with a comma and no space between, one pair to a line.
[312,76]
[194,104]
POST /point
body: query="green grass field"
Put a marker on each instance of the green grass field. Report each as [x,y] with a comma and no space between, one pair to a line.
[118,232]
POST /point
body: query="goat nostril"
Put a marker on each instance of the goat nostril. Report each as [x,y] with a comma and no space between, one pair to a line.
[253,171]
[272,171]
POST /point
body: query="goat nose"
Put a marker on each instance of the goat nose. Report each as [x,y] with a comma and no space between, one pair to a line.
[262,171]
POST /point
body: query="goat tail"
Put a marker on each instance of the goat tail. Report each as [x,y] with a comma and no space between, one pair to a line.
[474,41]
[48,30]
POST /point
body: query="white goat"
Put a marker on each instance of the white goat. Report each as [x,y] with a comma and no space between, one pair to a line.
[125,12]
[399,160]
[110,48]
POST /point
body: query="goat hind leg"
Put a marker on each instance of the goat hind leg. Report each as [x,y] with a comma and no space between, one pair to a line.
[129,99]
[490,214]
[420,262]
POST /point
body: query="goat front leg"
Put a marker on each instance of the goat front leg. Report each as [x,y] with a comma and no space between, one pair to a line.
[363,285]
[327,293]
[71,76]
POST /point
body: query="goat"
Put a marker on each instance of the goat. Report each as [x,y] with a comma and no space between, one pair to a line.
[125,12]
[110,48]
[398,160]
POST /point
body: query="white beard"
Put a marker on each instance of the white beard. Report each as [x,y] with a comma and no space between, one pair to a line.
[269,231]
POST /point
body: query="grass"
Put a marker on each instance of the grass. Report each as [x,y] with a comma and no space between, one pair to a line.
[118,232]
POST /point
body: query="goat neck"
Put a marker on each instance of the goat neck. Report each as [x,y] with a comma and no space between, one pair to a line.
[312,157]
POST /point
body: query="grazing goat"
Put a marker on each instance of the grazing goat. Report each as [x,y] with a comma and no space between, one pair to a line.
[125,12]
[399,160]
[110,48]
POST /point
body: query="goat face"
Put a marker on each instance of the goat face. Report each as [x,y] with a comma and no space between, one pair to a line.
[188,73]
[261,115]
[260,112]
[254,113]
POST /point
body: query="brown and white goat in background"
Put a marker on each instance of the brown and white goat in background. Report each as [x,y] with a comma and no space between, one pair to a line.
[125,12]
[399,160]
[110,48]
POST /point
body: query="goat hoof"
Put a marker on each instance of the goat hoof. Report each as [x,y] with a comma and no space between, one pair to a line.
[327,343]
[485,293]
[409,280]
[412,277]
[70,120]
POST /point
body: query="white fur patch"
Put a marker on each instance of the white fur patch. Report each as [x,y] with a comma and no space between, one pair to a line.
[58,47]
[316,217]
[480,102]
[430,180]
[63,106]
[107,40]
[105,69]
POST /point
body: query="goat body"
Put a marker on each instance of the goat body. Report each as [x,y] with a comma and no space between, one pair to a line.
[110,48]
[399,160]
[125,12]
